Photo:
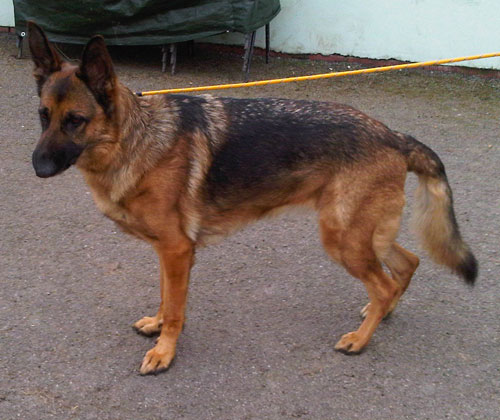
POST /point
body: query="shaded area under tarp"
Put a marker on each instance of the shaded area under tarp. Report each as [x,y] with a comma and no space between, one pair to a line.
[143,22]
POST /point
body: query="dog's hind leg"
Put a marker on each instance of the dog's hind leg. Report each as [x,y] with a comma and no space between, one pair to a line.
[360,244]
[402,264]
[361,261]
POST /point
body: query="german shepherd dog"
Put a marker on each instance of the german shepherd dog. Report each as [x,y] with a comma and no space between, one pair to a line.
[178,171]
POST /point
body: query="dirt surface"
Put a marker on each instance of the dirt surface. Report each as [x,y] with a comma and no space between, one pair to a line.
[266,306]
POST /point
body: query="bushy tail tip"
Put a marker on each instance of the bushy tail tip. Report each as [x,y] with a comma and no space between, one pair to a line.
[435,224]
[468,268]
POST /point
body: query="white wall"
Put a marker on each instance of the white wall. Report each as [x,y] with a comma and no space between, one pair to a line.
[412,30]
[6,13]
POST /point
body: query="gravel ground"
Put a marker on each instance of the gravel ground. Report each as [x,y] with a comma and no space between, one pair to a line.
[266,306]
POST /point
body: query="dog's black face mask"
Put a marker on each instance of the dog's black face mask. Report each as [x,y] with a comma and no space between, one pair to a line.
[50,161]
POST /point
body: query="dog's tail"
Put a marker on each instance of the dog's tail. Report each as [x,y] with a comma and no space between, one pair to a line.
[434,219]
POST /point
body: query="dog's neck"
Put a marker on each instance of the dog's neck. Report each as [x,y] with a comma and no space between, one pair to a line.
[140,133]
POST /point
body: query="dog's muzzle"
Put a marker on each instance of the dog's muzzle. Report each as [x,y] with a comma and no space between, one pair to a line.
[50,162]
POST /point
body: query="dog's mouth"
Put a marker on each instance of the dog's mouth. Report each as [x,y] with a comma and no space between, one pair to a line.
[50,163]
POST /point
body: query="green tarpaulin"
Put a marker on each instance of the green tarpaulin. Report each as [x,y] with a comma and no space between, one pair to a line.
[143,22]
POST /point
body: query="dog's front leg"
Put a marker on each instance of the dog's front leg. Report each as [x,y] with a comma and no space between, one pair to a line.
[175,262]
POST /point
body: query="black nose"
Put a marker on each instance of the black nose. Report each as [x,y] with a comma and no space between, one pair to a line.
[49,161]
[44,165]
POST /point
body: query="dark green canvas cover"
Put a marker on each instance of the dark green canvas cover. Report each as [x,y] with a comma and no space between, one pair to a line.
[143,22]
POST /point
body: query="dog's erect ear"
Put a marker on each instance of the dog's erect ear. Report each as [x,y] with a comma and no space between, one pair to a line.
[45,57]
[96,70]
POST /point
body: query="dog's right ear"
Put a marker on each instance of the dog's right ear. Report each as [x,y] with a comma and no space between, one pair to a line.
[45,57]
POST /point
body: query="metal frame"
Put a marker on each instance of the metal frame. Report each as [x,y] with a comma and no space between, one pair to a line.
[171,50]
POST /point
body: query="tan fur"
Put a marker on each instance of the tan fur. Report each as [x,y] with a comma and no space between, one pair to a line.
[149,173]
[431,223]
[359,211]
[360,214]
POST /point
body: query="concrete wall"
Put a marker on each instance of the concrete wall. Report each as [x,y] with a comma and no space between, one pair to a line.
[412,30]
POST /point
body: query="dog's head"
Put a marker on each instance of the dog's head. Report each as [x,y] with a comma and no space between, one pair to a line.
[76,102]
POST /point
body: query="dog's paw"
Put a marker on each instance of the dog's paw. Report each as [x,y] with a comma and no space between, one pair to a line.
[149,325]
[157,360]
[350,343]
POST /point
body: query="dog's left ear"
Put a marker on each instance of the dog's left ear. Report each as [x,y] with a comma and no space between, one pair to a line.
[97,71]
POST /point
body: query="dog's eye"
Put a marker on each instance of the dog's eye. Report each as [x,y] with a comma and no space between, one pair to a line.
[44,118]
[72,122]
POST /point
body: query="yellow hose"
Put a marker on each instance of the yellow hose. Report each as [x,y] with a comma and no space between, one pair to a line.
[318,76]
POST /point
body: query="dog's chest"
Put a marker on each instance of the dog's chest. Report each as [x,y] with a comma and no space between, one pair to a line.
[112,210]
[123,217]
